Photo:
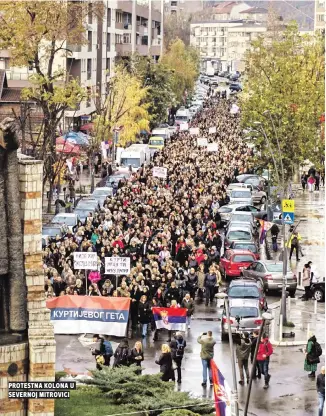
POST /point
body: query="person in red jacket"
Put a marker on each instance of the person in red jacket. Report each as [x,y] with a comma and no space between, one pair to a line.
[265,350]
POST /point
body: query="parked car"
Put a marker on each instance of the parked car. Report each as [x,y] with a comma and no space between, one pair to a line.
[245,217]
[88,202]
[244,245]
[242,226]
[70,220]
[270,273]
[241,195]
[236,185]
[100,194]
[237,235]
[113,180]
[247,289]
[235,87]
[258,213]
[83,213]
[318,291]
[245,315]
[258,195]
[50,232]
[233,261]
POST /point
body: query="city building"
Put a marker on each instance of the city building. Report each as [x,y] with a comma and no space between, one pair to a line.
[319,21]
[127,27]
[229,10]
[222,44]
[174,7]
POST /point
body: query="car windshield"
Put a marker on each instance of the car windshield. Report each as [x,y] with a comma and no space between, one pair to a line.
[225,209]
[101,192]
[241,218]
[244,312]
[250,247]
[156,142]
[181,118]
[277,268]
[243,258]
[239,235]
[134,162]
[241,194]
[64,220]
[248,292]
[51,231]
[115,179]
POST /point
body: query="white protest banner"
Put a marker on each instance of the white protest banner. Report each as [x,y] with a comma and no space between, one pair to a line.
[202,141]
[85,260]
[212,147]
[212,130]
[183,126]
[117,265]
[194,130]
[159,172]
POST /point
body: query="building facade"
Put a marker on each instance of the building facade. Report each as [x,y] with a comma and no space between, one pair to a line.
[319,23]
[127,27]
[222,44]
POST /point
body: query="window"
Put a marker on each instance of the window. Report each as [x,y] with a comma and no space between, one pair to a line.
[320,17]
[89,38]
[260,268]
[244,312]
[108,42]
[118,17]
[127,38]
[174,12]
[174,3]
[90,13]
[243,258]
[118,38]
[109,17]
[89,68]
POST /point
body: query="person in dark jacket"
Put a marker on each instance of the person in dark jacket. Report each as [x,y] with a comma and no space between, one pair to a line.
[136,355]
[209,283]
[188,304]
[104,353]
[178,345]
[165,363]
[242,353]
[135,295]
[144,314]
[192,283]
[320,384]
[121,355]
[252,353]
[172,294]
[274,232]
[158,304]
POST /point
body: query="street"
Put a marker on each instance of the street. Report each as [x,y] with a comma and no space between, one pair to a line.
[291,392]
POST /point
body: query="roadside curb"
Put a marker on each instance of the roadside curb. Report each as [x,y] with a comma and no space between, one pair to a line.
[287,343]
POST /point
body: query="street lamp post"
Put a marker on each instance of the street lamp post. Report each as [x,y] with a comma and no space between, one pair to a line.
[266,317]
[234,374]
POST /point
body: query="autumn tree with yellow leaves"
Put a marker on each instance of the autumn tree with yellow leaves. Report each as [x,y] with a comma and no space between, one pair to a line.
[37,34]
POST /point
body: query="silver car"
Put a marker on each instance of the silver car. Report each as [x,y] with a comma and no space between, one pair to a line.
[245,315]
[245,217]
[100,194]
[258,195]
[241,196]
[270,273]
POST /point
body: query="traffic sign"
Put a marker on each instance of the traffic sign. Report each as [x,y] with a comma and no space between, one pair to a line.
[288,217]
[287,205]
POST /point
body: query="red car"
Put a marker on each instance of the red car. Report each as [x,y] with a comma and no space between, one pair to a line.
[246,245]
[233,261]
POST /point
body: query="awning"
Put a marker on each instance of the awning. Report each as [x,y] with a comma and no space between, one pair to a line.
[77,137]
[64,146]
[87,127]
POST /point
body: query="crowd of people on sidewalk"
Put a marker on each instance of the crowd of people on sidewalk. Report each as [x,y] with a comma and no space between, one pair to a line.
[168,228]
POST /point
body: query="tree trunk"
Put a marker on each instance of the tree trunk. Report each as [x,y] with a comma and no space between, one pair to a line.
[17,289]
[91,165]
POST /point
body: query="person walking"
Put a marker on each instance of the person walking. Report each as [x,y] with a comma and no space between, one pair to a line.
[294,244]
[207,343]
[165,363]
[265,350]
[188,304]
[242,352]
[136,355]
[144,314]
[320,384]
[313,352]
[311,183]
[275,232]
[303,181]
[306,281]
[178,346]
[254,340]
[210,283]
[121,354]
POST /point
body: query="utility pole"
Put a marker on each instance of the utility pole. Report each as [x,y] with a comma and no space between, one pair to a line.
[162,27]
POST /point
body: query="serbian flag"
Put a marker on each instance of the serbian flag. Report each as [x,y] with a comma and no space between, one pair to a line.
[264,227]
[73,314]
[173,319]
[222,392]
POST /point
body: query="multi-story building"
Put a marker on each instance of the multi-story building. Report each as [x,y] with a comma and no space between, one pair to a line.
[127,27]
[223,43]
[319,23]
[229,10]
[174,7]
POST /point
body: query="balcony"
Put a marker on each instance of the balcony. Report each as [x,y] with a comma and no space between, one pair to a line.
[119,25]
[142,30]
[204,34]
[127,26]
[75,51]
[123,49]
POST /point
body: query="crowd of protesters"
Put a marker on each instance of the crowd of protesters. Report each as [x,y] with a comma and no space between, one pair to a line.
[168,227]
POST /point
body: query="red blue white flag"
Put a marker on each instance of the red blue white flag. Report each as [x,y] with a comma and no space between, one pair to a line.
[265,226]
[222,392]
[173,319]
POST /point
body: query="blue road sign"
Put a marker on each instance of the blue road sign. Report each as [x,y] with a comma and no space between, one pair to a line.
[288,217]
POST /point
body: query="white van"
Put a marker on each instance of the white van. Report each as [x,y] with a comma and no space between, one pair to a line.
[182,116]
[161,132]
[134,156]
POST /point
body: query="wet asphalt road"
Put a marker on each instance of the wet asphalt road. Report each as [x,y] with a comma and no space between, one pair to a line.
[291,392]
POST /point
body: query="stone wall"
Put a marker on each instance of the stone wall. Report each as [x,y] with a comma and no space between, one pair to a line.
[40,330]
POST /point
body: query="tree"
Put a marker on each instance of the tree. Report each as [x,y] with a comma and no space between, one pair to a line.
[177,26]
[283,97]
[37,35]
[184,62]
[125,106]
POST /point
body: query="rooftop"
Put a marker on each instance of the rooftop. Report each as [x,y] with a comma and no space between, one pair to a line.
[254,10]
